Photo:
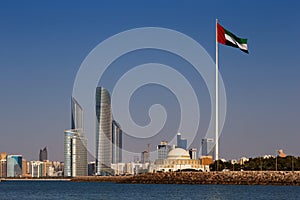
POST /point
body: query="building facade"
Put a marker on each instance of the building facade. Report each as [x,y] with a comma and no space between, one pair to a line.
[75,145]
[43,154]
[103,130]
[162,150]
[75,154]
[181,142]
[145,157]
[36,169]
[76,115]
[207,147]
[14,166]
[178,159]
[116,142]
[3,164]
[193,153]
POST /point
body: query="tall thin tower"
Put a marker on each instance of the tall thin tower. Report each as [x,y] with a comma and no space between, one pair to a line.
[103,130]
[116,142]
[75,144]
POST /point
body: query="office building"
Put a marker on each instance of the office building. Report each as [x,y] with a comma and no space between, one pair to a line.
[3,164]
[76,115]
[208,145]
[75,154]
[193,153]
[163,149]
[145,155]
[116,142]
[75,145]
[36,169]
[43,154]
[103,130]
[181,142]
[24,168]
[14,166]
[48,169]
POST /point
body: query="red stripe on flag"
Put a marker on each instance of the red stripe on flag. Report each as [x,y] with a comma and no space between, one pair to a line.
[221,34]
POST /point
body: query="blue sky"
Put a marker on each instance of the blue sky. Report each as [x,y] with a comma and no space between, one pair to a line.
[43,44]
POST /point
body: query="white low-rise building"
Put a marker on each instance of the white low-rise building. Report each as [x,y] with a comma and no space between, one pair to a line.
[178,159]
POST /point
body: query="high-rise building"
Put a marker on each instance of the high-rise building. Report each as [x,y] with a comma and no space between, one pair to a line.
[181,142]
[116,142]
[3,168]
[24,167]
[103,130]
[208,147]
[14,166]
[76,115]
[68,153]
[48,168]
[75,154]
[145,155]
[43,154]
[193,153]
[3,164]
[75,144]
[163,149]
[36,169]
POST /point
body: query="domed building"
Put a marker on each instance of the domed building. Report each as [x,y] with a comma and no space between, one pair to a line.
[178,153]
[178,159]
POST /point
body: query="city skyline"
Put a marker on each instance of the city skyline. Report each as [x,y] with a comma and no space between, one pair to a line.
[43,46]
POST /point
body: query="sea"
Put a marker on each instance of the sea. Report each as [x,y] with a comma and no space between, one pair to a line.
[96,190]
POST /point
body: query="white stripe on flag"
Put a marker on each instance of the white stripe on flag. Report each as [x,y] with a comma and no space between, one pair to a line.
[241,46]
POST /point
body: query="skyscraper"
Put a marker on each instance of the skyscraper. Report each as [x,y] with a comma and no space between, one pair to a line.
[145,155]
[162,150]
[14,165]
[76,115]
[116,142]
[75,154]
[181,142]
[68,153]
[208,147]
[75,144]
[103,130]
[43,154]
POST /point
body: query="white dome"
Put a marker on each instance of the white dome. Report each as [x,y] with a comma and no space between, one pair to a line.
[178,153]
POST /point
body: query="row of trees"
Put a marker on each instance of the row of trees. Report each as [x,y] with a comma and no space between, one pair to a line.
[288,163]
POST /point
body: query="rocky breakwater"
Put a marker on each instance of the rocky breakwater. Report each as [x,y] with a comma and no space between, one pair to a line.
[234,178]
[115,179]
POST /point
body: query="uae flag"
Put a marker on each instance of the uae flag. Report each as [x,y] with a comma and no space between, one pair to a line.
[227,38]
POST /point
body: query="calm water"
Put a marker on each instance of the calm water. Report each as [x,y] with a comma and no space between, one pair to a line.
[82,191]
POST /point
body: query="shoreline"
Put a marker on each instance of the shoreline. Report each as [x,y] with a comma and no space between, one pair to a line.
[35,179]
[209,178]
[283,178]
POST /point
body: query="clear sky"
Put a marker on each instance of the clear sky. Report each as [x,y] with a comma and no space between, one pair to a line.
[43,43]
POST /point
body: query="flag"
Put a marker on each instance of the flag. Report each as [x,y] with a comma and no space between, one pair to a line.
[227,38]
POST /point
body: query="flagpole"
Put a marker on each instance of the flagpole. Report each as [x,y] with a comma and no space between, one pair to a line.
[217,96]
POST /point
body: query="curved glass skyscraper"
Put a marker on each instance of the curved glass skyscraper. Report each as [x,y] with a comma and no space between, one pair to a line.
[103,130]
